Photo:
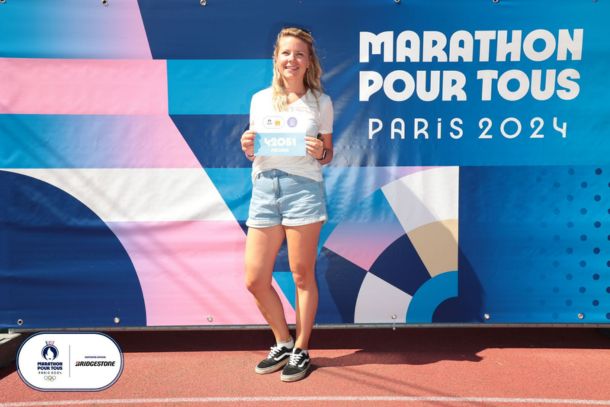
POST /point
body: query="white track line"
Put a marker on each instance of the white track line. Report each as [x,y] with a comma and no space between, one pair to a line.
[403,399]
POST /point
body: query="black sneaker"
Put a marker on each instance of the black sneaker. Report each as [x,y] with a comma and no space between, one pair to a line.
[297,366]
[276,359]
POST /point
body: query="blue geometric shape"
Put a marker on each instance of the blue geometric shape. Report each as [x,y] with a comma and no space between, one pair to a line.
[242,225]
[286,282]
[430,295]
[60,265]
[532,243]
[214,139]
[215,86]
[400,266]
[188,31]
[339,282]
[235,187]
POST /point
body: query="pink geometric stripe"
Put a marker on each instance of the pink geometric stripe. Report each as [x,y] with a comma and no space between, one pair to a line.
[363,242]
[140,142]
[191,273]
[75,86]
[130,29]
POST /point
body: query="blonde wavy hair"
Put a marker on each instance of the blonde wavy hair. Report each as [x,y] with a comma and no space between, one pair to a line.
[312,75]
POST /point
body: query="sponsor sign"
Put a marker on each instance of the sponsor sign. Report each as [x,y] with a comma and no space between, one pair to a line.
[69,361]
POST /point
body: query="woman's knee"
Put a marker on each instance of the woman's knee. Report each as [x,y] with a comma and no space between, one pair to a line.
[304,278]
[256,281]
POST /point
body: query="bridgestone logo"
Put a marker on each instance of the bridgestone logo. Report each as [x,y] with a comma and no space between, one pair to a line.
[88,363]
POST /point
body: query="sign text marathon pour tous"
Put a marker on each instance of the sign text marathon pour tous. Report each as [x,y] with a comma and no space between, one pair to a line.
[481,46]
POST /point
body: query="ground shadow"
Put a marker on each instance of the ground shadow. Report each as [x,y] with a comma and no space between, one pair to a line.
[7,370]
[380,345]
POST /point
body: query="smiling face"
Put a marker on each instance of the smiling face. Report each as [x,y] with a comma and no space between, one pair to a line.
[292,59]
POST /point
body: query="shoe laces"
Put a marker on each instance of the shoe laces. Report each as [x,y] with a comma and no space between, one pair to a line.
[275,350]
[296,358]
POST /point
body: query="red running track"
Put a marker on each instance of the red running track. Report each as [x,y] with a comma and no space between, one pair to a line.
[417,367]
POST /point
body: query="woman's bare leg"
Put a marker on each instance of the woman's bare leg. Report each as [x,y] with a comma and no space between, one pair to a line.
[302,254]
[262,246]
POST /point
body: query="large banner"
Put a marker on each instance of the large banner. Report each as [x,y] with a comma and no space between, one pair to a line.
[470,182]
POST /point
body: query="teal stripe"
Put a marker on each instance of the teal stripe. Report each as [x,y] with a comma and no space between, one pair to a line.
[215,86]
[286,282]
[43,141]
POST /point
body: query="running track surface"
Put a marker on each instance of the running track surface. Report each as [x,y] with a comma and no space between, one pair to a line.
[414,367]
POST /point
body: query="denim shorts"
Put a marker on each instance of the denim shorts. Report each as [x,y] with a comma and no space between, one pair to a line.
[279,198]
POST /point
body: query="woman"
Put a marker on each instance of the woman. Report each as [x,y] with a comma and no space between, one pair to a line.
[288,199]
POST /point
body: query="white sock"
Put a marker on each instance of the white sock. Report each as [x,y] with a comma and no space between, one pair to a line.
[288,344]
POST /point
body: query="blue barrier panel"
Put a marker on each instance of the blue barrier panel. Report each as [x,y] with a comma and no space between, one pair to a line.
[469,182]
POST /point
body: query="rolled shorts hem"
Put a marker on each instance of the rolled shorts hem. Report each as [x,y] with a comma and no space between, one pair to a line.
[303,222]
[256,224]
[286,222]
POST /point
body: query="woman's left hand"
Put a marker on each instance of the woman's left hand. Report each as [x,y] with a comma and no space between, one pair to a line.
[314,147]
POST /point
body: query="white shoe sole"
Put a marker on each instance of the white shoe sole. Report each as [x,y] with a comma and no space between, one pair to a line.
[295,377]
[271,369]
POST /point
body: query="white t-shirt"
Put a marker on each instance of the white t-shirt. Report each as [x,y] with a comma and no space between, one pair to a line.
[319,114]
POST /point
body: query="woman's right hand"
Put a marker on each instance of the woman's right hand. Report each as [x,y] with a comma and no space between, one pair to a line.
[247,143]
